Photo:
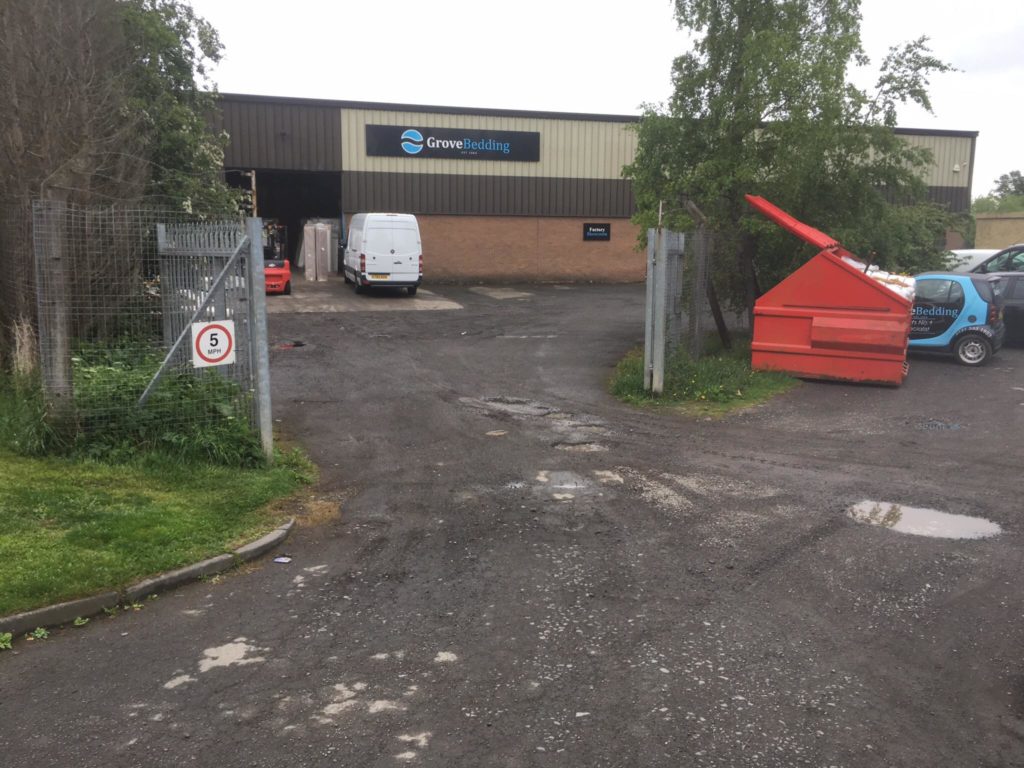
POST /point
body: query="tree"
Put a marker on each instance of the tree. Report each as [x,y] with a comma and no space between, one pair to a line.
[1006,197]
[763,105]
[1008,184]
[101,101]
[170,48]
[114,109]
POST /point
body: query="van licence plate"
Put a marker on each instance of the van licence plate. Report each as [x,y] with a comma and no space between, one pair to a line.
[379,277]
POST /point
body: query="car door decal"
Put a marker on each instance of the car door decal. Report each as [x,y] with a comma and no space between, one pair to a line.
[937,305]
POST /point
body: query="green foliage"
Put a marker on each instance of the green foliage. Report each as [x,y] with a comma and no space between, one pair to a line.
[996,204]
[5,641]
[79,621]
[187,418]
[170,47]
[721,378]
[70,528]
[1009,185]
[39,633]
[24,427]
[762,105]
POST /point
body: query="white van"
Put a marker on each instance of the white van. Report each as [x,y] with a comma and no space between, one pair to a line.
[383,249]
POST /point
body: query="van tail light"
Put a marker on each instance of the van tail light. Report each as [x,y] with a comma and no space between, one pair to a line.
[362,262]
[421,263]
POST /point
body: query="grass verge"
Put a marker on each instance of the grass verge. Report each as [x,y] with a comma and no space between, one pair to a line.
[717,384]
[73,528]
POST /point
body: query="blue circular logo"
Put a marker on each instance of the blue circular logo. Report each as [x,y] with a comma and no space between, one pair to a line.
[412,141]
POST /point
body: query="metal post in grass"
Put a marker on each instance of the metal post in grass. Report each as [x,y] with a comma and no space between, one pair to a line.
[53,264]
[660,314]
[257,309]
[652,240]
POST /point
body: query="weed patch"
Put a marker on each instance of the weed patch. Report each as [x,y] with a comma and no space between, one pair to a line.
[187,418]
[718,383]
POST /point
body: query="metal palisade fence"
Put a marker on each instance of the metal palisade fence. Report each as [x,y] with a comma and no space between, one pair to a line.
[120,296]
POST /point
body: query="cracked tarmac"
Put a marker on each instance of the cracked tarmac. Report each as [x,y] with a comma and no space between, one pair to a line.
[525,572]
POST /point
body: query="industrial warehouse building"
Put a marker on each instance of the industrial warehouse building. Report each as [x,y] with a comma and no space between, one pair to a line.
[499,194]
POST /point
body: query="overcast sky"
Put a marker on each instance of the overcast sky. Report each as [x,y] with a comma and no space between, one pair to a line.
[587,56]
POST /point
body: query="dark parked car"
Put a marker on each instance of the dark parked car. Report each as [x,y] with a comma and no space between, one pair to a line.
[1007,260]
[1011,289]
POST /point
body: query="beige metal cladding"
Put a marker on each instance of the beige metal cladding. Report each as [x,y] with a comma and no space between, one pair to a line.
[569,149]
[951,157]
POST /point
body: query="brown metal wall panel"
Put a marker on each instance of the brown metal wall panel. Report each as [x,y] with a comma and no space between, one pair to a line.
[271,135]
[957,199]
[485,195]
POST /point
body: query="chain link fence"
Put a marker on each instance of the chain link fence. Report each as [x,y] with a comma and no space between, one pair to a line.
[104,299]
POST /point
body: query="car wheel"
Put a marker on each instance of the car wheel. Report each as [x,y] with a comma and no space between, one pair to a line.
[972,349]
[344,273]
[357,286]
[288,288]
[412,290]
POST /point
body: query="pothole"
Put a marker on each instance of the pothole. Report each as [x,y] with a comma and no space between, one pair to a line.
[511,405]
[919,521]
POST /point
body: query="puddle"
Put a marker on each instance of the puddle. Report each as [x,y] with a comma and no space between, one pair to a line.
[918,521]
[562,480]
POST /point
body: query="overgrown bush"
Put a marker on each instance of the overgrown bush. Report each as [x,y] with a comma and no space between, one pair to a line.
[187,417]
[24,428]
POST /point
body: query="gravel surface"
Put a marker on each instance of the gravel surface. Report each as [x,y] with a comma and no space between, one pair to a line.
[517,570]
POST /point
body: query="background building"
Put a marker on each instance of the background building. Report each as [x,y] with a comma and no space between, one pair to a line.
[500,194]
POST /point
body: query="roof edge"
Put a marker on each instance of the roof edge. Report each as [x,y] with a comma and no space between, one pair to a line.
[934,132]
[427,108]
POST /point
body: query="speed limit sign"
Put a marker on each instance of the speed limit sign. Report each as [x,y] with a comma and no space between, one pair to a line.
[213,343]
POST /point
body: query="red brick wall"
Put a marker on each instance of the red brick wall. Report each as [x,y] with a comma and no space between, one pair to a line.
[523,248]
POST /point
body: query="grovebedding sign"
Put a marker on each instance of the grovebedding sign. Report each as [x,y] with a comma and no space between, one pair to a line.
[452,143]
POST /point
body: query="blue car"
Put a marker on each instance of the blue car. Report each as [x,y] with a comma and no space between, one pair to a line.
[957,313]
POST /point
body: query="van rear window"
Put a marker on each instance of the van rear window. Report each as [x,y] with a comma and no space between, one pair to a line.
[985,288]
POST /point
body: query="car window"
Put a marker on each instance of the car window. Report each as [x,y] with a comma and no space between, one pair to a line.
[1011,261]
[956,294]
[1017,291]
[938,302]
[934,291]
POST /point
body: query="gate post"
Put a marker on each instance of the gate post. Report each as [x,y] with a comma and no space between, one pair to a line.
[257,309]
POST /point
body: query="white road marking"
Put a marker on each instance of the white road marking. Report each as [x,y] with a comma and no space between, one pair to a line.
[501,294]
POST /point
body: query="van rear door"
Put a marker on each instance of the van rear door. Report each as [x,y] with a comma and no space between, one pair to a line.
[392,250]
[406,249]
